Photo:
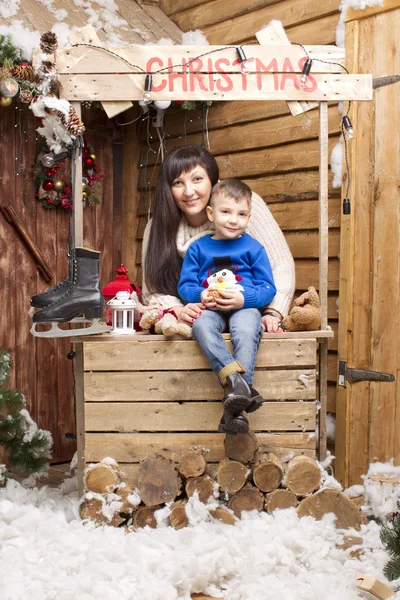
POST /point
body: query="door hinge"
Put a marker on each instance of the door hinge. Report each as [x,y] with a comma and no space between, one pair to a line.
[347,374]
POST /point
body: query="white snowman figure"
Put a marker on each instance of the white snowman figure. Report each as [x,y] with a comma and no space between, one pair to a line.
[223,280]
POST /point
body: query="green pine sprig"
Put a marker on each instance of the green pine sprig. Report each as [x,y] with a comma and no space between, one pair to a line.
[9,52]
[5,365]
[11,401]
[390,538]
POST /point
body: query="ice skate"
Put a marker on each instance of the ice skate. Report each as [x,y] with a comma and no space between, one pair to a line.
[82,301]
[53,294]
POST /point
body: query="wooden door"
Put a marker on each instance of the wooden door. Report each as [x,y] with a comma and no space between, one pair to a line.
[368,413]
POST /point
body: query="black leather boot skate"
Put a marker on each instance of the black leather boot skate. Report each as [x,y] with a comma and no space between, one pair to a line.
[54,293]
[83,297]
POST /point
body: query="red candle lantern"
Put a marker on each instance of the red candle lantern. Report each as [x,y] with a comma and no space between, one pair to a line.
[120,284]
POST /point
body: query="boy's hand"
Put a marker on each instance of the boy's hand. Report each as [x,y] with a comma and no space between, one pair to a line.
[230,300]
[208,301]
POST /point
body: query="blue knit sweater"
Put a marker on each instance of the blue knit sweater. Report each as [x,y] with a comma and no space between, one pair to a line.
[244,256]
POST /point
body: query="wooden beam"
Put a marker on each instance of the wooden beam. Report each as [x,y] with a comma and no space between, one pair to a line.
[76,179]
[356,15]
[137,59]
[261,86]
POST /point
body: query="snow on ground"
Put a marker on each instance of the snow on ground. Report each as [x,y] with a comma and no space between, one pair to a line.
[47,553]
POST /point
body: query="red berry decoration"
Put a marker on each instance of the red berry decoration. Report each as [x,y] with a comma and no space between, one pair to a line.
[89,162]
[49,172]
[48,185]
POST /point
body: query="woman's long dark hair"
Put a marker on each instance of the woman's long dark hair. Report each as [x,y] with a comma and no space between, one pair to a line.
[163,263]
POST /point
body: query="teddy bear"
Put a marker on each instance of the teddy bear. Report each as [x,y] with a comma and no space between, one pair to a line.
[156,319]
[305,314]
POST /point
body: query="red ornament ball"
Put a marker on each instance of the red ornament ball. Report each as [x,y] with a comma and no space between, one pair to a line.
[48,185]
[49,172]
[89,162]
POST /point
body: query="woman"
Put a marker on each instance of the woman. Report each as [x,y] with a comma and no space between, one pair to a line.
[183,190]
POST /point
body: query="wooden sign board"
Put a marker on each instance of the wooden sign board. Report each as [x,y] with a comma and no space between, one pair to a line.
[207,73]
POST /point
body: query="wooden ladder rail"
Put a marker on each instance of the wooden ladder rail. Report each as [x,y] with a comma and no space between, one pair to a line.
[323,274]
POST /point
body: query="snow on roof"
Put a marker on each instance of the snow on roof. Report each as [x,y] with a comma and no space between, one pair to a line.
[117,22]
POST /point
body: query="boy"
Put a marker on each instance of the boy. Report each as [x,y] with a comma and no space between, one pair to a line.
[238,269]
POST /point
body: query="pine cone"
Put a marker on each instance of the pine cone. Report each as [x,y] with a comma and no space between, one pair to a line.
[24,73]
[48,42]
[73,124]
[25,96]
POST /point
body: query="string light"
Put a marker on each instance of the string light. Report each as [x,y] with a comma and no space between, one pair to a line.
[349,131]
[306,71]
[148,83]
[243,59]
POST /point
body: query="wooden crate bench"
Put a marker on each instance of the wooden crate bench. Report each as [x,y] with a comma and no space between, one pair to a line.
[141,394]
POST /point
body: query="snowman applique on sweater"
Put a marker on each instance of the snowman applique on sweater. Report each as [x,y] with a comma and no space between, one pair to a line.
[228,265]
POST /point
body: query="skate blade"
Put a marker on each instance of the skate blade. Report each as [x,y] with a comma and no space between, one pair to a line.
[56,331]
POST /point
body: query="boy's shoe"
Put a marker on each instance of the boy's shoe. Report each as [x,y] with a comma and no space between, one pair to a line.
[256,401]
[237,394]
[233,426]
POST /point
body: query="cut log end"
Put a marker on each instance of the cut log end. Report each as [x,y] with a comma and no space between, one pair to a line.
[231,475]
[246,499]
[204,485]
[280,499]
[268,472]
[241,447]
[303,475]
[158,481]
[102,478]
[332,501]
[192,463]
[177,517]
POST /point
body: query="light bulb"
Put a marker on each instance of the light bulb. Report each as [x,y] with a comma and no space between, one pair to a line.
[244,67]
[305,72]
[48,160]
[162,104]
[147,97]
[303,80]
[349,131]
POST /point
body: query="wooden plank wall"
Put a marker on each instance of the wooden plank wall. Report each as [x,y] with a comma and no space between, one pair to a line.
[275,153]
[368,413]
[41,370]
[148,395]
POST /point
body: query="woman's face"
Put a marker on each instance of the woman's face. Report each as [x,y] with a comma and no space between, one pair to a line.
[191,192]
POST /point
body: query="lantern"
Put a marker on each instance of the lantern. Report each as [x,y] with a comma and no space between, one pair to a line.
[120,284]
[123,313]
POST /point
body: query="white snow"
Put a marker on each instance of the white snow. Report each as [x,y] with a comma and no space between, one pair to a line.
[336,164]
[47,553]
[194,38]
[382,489]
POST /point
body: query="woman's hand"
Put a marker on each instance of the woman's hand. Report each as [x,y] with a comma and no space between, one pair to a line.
[188,313]
[230,300]
[271,321]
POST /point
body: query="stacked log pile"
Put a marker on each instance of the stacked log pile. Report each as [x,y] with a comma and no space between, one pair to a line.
[249,478]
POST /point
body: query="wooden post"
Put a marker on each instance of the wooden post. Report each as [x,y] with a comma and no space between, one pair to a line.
[77,211]
[323,272]
[80,415]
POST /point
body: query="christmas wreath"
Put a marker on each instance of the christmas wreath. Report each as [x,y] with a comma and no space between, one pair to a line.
[52,183]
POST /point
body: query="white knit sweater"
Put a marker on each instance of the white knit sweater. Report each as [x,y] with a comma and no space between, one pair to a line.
[263,227]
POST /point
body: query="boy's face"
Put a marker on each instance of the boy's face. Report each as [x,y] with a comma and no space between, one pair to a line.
[229,216]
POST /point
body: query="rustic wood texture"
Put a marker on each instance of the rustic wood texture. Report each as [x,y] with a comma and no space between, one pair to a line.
[134,447]
[325,501]
[41,370]
[368,413]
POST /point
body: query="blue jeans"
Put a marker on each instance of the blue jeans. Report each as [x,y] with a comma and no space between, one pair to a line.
[246,330]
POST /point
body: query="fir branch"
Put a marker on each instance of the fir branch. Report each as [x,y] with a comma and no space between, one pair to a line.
[11,401]
[9,52]
[5,365]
